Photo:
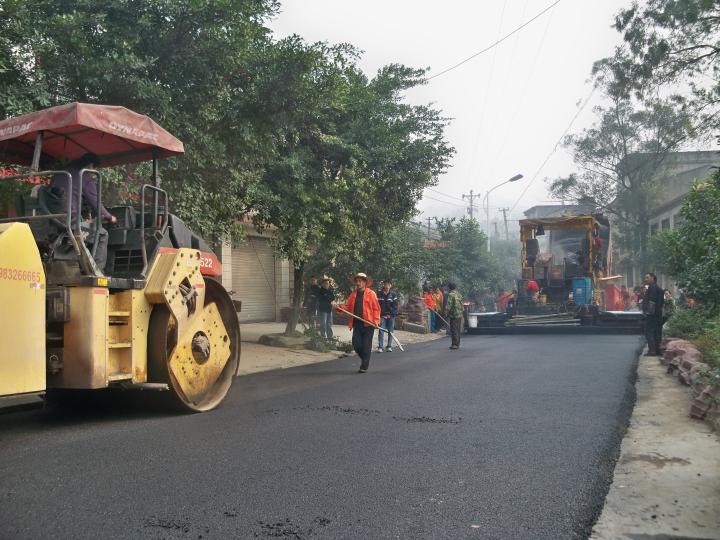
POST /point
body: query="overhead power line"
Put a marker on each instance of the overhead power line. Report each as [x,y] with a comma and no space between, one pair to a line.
[496,43]
[445,194]
[554,149]
[446,202]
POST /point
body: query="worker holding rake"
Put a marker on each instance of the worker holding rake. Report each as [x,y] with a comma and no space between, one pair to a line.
[364,311]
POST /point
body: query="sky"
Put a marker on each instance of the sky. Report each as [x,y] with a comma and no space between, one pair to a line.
[508,107]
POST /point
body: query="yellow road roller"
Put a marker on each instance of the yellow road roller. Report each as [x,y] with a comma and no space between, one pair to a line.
[132,303]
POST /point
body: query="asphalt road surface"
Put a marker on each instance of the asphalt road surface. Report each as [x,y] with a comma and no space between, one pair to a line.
[510,437]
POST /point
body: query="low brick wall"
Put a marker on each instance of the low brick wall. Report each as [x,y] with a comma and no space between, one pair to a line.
[683,358]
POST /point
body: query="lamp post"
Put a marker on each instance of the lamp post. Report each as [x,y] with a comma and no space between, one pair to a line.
[487,203]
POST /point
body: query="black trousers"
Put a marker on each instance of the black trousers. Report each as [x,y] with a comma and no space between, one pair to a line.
[653,334]
[362,341]
[455,330]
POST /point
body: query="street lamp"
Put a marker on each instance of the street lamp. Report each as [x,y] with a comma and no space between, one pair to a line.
[487,203]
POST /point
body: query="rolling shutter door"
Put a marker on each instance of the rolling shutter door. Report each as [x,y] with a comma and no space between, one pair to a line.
[253,279]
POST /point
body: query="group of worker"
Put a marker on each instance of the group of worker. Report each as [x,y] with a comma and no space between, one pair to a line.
[435,299]
[368,311]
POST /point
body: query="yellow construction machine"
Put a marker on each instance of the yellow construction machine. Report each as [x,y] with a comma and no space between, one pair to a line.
[151,315]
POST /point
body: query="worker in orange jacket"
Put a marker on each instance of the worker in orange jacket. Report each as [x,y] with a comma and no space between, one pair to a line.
[363,303]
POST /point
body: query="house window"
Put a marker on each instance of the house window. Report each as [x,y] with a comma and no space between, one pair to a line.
[666,224]
[677,221]
[653,229]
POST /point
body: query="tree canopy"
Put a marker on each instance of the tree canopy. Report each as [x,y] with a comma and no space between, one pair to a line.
[670,42]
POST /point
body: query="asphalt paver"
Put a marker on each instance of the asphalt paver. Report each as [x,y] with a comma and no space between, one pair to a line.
[508,437]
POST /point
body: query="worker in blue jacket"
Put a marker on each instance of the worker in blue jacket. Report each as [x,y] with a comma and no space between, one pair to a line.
[388,301]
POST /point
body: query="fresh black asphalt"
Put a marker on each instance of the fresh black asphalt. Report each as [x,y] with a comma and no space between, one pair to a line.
[510,437]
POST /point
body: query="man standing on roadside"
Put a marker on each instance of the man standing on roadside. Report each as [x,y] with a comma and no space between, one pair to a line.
[325,300]
[454,311]
[363,303]
[310,302]
[652,307]
[388,311]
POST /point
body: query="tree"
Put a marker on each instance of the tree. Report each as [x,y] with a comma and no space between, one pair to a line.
[693,249]
[670,42]
[465,260]
[350,162]
[189,64]
[619,158]
[396,253]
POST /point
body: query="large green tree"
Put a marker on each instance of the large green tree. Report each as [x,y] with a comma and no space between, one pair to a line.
[350,162]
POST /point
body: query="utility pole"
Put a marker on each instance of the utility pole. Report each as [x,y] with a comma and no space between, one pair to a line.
[470,198]
[429,219]
[507,233]
[497,234]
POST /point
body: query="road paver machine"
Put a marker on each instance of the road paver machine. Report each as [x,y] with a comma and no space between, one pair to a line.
[566,283]
[154,317]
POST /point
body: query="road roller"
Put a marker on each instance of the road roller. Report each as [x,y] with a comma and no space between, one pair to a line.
[150,314]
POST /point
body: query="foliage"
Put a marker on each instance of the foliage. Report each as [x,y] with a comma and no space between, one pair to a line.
[395,252]
[699,326]
[465,260]
[686,323]
[670,42]
[693,248]
[399,253]
[507,254]
[189,64]
[350,163]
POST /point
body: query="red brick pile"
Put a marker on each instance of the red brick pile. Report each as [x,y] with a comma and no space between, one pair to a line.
[682,356]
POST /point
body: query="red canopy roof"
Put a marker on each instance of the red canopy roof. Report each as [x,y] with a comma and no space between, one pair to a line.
[115,134]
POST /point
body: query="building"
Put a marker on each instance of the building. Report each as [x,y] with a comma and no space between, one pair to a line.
[674,179]
[254,275]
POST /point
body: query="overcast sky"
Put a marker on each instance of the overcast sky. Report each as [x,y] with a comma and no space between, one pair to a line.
[508,106]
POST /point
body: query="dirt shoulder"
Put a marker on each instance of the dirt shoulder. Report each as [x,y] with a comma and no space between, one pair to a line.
[667,480]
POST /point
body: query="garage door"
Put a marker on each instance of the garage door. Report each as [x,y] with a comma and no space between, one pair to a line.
[253,279]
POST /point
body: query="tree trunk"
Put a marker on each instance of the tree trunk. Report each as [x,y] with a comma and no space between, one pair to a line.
[298,290]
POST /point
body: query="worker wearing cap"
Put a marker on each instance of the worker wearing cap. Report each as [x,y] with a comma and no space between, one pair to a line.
[363,303]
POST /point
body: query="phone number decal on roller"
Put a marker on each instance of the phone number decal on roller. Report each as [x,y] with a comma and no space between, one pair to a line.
[17,274]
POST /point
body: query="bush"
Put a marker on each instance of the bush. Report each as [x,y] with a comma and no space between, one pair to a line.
[701,328]
[708,342]
[686,323]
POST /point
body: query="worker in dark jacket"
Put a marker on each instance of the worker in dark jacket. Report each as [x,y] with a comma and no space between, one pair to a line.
[59,183]
[388,301]
[326,296]
[652,307]
[310,302]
